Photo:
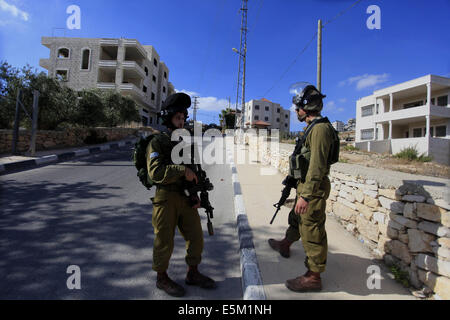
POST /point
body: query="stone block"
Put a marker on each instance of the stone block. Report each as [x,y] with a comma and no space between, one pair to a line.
[408,223]
[403,238]
[419,241]
[347,203]
[344,212]
[365,210]
[394,206]
[413,198]
[371,193]
[367,229]
[434,228]
[383,244]
[444,242]
[442,253]
[432,264]
[359,195]
[371,202]
[390,193]
[439,284]
[430,212]
[379,217]
[439,202]
[392,233]
[410,211]
[400,250]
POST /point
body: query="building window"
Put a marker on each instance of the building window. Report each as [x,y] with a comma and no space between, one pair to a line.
[367,111]
[151,120]
[266,118]
[413,104]
[256,117]
[417,133]
[153,96]
[442,101]
[154,79]
[165,75]
[146,71]
[144,121]
[285,125]
[164,89]
[441,131]
[144,89]
[145,110]
[63,53]
[367,134]
[278,110]
[286,116]
[267,108]
[256,107]
[62,75]
[86,57]
[155,62]
[278,119]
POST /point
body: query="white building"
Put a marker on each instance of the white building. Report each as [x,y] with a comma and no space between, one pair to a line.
[121,64]
[338,126]
[415,113]
[267,114]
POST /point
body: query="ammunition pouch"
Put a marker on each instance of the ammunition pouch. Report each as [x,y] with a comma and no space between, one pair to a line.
[298,166]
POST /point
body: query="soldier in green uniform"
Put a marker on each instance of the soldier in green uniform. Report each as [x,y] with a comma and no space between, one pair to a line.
[171,207]
[307,218]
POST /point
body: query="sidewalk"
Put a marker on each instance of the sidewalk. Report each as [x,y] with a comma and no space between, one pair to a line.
[10,163]
[346,276]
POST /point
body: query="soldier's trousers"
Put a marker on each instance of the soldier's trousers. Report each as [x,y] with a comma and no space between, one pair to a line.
[310,227]
[170,210]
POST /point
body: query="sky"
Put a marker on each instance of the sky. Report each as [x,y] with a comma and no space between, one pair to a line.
[195,39]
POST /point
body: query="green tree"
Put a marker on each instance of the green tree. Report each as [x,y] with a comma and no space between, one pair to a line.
[118,109]
[227,118]
[90,109]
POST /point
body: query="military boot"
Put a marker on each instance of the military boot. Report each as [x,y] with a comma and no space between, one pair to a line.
[311,281]
[195,278]
[281,246]
[172,288]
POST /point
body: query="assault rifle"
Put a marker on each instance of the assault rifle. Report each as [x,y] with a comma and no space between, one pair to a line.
[203,186]
[289,183]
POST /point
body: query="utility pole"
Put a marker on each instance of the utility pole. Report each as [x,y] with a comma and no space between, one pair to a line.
[319,57]
[195,109]
[242,66]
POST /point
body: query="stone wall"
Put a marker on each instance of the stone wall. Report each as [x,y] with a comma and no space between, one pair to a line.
[404,223]
[47,140]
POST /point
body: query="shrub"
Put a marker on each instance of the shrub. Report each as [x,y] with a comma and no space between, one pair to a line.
[350,148]
[412,154]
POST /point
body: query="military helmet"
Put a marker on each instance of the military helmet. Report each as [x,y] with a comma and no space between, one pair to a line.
[178,102]
[307,97]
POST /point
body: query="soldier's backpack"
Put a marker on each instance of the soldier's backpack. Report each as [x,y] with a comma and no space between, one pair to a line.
[140,160]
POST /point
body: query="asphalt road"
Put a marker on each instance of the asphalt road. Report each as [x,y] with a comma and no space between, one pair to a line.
[93,212]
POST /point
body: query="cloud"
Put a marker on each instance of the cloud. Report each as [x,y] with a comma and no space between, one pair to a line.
[12,9]
[365,81]
[208,103]
[331,107]
[343,100]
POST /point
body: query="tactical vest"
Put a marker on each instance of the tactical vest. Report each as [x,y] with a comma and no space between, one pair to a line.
[299,160]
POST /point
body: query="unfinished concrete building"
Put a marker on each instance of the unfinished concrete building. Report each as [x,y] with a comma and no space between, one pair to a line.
[124,65]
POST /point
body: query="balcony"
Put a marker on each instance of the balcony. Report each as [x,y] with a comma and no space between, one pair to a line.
[106,85]
[132,90]
[44,63]
[133,66]
[107,64]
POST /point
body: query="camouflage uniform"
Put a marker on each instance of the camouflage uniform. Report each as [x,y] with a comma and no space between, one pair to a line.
[171,208]
[315,188]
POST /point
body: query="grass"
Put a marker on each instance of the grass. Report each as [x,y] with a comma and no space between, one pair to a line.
[350,148]
[412,154]
[401,277]
[343,160]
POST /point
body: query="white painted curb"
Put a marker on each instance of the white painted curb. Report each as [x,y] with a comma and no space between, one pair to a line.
[252,286]
[46,159]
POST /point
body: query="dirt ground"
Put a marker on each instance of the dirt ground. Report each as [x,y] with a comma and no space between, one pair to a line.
[384,161]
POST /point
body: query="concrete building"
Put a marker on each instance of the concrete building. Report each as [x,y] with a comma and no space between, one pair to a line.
[338,126]
[415,113]
[117,64]
[266,114]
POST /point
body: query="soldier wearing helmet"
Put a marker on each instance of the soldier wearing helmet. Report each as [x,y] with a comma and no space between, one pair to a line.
[171,207]
[310,166]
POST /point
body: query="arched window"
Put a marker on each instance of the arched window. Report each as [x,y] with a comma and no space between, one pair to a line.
[86,57]
[63,53]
